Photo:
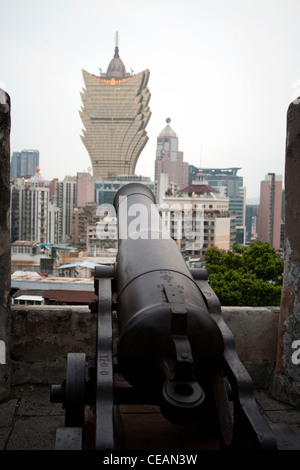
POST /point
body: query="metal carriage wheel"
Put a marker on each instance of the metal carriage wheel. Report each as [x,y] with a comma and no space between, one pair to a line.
[75,390]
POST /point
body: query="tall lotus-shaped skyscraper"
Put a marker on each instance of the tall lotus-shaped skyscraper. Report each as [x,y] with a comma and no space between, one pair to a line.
[115,114]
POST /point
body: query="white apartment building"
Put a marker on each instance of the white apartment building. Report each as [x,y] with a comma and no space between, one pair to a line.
[54,219]
[29,214]
[65,199]
[198,217]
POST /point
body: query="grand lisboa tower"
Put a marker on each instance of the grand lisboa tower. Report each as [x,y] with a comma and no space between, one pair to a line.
[115,114]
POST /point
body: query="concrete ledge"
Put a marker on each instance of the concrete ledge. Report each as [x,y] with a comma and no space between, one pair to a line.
[255,331]
[42,336]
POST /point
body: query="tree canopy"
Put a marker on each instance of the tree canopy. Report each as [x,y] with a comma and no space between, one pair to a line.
[246,276]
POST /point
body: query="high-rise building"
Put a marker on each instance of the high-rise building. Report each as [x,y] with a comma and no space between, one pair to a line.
[29,213]
[229,183]
[24,163]
[251,222]
[269,213]
[54,218]
[65,199]
[115,114]
[169,159]
[85,189]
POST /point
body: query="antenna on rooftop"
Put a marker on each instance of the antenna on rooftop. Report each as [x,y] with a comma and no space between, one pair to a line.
[201,156]
[117,39]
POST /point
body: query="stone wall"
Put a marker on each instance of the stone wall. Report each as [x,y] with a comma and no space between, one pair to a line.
[286,383]
[255,332]
[41,337]
[4,242]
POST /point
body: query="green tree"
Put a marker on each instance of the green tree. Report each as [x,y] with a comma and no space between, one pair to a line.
[246,276]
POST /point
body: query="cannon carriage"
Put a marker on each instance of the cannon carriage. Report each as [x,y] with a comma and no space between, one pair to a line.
[174,348]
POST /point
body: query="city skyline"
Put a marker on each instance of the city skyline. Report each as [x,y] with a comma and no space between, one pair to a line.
[224,72]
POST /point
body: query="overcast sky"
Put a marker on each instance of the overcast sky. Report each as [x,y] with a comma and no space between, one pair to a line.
[223,71]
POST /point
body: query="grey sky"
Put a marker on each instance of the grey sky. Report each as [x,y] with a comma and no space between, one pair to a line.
[224,71]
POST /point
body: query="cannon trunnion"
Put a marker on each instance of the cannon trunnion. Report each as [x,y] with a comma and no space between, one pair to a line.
[174,348]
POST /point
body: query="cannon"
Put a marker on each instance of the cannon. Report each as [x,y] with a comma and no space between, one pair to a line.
[173,347]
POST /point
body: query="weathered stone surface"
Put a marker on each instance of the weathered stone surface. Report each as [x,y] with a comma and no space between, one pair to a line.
[286,380]
[42,336]
[255,331]
[4,242]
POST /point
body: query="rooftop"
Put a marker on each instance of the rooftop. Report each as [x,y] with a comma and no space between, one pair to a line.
[70,297]
[116,68]
[199,189]
[45,283]
[167,132]
[25,243]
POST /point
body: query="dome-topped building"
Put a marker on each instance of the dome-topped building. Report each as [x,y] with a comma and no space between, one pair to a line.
[200,186]
[37,176]
[115,114]
[168,132]
[116,68]
[169,160]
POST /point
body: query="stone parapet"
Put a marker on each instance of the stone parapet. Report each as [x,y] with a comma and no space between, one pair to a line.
[286,383]
[255,332]
[4,242]
[42,336]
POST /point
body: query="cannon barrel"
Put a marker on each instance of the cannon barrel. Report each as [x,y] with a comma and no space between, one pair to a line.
[168,346]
